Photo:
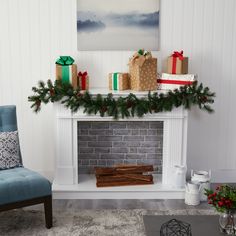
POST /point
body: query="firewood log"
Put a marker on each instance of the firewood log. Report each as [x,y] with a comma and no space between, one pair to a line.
[123,169]
[122,183]
[124,177]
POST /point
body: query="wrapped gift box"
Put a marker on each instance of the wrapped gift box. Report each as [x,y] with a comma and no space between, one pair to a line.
[83,80]
[177,63]
[119,81]
[66,70]
[143,72]
[171,82]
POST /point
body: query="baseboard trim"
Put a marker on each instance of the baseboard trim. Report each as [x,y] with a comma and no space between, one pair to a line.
[224,176]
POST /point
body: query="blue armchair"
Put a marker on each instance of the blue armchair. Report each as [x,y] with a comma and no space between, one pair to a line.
[20,187]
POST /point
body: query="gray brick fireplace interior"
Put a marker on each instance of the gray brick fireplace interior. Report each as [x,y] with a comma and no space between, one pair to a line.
[119,142]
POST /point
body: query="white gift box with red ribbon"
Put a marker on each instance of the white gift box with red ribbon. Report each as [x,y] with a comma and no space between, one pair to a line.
[173,81]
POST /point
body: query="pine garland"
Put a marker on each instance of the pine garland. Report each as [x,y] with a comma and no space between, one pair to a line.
[129,106]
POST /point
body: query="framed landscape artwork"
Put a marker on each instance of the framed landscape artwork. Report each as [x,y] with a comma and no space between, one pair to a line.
[117,25]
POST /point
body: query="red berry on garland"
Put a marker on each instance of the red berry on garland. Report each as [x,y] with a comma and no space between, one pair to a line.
[79,94]
[104,109]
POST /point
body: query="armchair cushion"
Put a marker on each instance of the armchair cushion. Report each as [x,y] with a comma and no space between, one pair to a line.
[19,184]
[8,118]
[9,150]
[8,122]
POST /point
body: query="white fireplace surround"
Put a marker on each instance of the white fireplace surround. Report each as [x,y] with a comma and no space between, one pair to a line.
[68,185]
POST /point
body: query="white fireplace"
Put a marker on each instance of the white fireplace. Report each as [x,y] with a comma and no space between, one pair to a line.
[68,184]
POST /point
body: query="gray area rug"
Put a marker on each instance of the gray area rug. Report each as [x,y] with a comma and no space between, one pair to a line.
[84,222]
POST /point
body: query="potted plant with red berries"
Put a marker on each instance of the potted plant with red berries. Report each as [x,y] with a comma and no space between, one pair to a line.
[223,199]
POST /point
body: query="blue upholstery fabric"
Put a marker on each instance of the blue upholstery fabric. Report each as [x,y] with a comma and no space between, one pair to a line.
[8,118]
[19,184]
[8,121]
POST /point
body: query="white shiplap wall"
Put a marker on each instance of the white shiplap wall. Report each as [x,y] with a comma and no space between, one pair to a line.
[34,32]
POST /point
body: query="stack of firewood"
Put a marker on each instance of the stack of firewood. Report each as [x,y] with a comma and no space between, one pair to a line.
[123,175]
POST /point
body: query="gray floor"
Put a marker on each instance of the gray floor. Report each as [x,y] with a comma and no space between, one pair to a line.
[128,204]
[161,205]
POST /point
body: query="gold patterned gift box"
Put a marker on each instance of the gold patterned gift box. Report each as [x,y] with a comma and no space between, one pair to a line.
[143,71]
[119,81]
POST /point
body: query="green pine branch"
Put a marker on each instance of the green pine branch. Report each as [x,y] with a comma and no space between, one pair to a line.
[124,107]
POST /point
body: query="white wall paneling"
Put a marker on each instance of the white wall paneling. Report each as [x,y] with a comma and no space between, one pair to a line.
[34,33]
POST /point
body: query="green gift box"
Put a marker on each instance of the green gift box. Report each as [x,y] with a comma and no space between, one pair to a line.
[66,71]
[119,81]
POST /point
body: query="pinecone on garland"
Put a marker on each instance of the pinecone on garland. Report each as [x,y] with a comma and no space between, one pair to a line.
[129,104]
[103,109]
[203,99]
[38,104]
[52,92]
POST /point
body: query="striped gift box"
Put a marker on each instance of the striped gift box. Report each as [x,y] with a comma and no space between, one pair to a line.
[172,81]
[119,81]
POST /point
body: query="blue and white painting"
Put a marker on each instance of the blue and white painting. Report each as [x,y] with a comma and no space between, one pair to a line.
[118,24]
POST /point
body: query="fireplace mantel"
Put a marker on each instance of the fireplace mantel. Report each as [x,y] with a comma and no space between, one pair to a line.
[67,184]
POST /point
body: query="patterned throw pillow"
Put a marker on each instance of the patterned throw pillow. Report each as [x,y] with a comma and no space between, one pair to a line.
[9,150]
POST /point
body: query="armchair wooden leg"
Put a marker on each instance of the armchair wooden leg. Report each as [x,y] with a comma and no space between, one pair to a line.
[48,211]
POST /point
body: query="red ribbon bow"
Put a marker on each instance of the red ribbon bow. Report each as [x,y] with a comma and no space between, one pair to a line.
[179,55]
[176,55]
[83,74]
[83,79]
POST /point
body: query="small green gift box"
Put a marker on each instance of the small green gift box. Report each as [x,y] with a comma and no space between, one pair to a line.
[66,71]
